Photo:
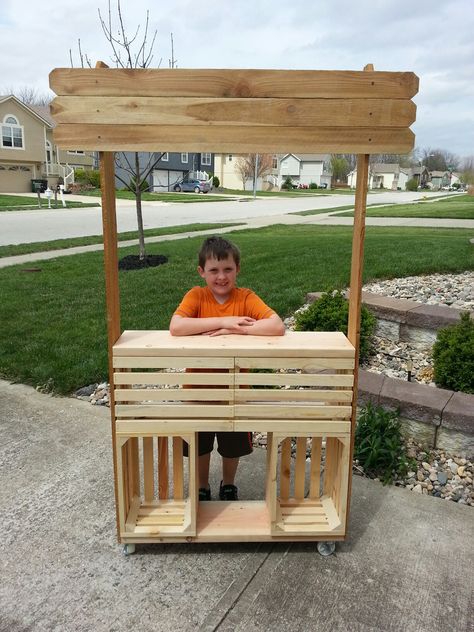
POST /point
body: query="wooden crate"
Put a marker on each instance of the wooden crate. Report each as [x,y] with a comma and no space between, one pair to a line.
[296,386]
[153,499]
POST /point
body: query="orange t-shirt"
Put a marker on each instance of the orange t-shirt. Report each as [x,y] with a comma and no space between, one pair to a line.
[199,302]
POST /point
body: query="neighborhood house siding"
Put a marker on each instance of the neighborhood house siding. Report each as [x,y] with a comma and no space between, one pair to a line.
[311,172]
[33,135]
[290,166]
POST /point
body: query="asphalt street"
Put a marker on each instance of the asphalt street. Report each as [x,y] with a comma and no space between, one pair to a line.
[44,225]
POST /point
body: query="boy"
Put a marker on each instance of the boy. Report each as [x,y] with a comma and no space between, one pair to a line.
[216,309]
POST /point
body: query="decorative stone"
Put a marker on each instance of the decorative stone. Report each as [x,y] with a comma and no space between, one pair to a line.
[418,489]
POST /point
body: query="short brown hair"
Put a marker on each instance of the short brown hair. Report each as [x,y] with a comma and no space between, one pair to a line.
[218,248]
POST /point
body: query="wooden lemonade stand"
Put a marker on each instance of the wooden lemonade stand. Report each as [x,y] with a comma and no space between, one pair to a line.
[301,388]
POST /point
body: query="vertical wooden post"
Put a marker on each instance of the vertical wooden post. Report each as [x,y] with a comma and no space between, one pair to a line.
[109,224]
[355,293]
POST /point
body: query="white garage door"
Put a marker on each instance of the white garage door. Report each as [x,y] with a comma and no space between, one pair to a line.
[165,180]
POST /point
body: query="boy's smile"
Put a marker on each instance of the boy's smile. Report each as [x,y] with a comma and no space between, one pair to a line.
[220,277]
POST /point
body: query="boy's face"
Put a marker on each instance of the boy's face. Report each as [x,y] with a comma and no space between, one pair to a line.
[220,276]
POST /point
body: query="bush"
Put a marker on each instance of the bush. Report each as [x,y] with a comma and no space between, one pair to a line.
[453,355]
[412,184]
[88,177]
[331,313]
[287,184]
[216,182]
[313,185]
[378,444]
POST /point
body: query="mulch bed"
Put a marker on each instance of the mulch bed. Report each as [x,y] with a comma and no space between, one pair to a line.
[133,262]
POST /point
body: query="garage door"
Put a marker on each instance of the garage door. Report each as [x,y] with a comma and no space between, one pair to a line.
[15,178]
[165,180]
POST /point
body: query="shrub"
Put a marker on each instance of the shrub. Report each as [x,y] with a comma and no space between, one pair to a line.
[453,355]
[331,313]
[412,184]
[378,444]
[86,177]
[313,185]
[216,182]
[287,184]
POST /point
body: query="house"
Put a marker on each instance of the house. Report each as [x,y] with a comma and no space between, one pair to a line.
[168,168]
[384,176]
[303,169]
[27,151]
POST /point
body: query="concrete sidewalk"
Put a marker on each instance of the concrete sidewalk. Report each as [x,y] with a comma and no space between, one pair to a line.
[406,565]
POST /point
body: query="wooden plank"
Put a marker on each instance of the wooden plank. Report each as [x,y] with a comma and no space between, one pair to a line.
[132,514]
[172,362]
[271,479]
[171,427]
[178,480]
[299,344]
[334,521]
[178,379]
[292,379]
[286,412]
[177,395]
[304,364]
[133,467]
[315,468]
[158,520]
[172,410]
[285,469]
[302,509]
[295,427]
[300,468]
[306,519]
[163,467]
[112,296]
[227,83]
[281,395]
[148,468]
[236,139]
[342,112]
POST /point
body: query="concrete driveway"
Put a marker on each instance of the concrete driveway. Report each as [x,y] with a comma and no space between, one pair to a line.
[406,565]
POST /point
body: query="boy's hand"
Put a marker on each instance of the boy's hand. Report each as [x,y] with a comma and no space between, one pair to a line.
[233,325]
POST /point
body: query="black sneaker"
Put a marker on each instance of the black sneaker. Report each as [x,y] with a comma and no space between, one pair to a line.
[204,494]
[228,492]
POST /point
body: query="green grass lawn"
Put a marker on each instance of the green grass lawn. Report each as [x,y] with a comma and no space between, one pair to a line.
[162,197]
[456,207]
[53,323]
[59,244]
[23,203]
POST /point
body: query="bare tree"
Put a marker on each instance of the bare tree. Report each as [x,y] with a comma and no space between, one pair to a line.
[248,167]
[131,51]
[29,95]
[339,168]
[439,159]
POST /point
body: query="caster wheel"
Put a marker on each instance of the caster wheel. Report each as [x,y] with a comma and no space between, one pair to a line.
[326,548]
[128,549]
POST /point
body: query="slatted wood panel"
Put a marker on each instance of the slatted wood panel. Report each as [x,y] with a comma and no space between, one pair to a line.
[295,501]
[292,389]
[152,496]
[235,111]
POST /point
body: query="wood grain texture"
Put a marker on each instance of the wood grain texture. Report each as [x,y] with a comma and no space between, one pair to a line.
[236,139]
[221,112]
[233,83]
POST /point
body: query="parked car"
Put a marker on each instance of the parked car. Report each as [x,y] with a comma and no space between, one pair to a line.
[197,186]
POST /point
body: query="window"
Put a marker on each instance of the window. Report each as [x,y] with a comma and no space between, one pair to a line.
[275,162]
[184,157]
[229,157]
[76,152]
[12,133]
[49,152]
[206,159]
[165,157]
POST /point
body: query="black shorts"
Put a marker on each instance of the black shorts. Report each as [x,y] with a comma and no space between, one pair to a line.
[229,444]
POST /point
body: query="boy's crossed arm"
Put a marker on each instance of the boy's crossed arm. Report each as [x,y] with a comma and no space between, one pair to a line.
[218,326]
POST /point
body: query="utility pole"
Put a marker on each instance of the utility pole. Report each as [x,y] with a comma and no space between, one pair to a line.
[255,175]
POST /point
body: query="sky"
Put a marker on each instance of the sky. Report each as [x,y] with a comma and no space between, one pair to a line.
[433,39]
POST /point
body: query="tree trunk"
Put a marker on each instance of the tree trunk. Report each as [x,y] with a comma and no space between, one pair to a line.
[138,196]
